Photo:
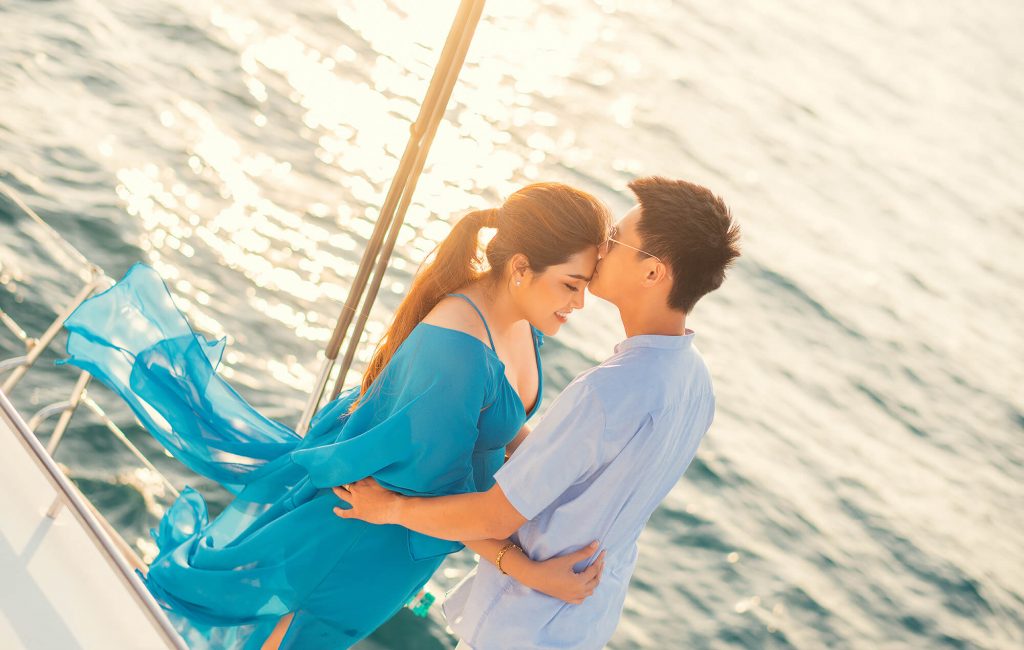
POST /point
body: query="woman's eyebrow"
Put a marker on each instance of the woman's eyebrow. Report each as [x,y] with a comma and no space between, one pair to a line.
[579,277]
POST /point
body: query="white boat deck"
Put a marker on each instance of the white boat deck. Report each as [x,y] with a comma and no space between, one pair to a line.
[57,587]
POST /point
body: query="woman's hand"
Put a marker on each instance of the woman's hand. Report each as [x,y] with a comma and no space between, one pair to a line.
[556,578]
[370,502]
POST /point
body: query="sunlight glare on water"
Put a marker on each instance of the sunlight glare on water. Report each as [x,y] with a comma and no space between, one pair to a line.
[860,486]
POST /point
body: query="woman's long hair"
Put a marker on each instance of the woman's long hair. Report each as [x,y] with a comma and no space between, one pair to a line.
[546,222]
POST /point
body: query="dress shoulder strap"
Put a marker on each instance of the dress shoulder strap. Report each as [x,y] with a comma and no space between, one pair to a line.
[480,314]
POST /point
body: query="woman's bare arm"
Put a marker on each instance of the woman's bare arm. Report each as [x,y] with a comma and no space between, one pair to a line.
[554,577]
[511,447]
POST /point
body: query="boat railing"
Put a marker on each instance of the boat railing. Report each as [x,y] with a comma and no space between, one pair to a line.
[94,528]
[115,550]
[94,279]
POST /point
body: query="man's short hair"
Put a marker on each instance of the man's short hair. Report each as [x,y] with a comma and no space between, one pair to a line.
[691,230]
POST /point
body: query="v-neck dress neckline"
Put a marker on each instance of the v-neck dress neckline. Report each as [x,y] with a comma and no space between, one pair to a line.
[535,334]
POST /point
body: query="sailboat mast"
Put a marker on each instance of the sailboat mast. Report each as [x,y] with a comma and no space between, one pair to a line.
[396,203]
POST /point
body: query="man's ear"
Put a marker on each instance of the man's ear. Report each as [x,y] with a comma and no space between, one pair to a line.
[656,274]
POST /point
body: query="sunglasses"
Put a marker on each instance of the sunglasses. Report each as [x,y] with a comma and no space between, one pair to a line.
[606,246]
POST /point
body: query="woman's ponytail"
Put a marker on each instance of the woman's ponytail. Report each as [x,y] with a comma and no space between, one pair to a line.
[455,264]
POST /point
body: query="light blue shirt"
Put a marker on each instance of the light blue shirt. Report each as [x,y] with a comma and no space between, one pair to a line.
[608,451]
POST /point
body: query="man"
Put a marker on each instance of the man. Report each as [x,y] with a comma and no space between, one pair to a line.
[611,446]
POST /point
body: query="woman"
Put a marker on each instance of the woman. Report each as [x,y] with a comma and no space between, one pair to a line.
[449,388]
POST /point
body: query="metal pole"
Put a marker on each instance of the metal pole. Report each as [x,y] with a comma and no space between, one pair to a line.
[69,410]
[116,431]
[62,425]
[11,325]
[314,398]
[389,245]
[80,509]
[44,413]
[13,197]
[421,134]
[55,327]
[13,362]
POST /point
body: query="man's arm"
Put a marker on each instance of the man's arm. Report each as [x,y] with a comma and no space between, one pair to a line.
[476,519]
[564,447]
[458,517]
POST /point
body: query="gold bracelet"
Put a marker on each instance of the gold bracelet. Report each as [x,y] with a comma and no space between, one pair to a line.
[501,554]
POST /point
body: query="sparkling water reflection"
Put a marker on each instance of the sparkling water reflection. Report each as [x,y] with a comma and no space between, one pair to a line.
[859,487]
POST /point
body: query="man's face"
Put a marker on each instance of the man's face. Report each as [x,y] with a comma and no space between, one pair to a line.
[620,268]
[549,297]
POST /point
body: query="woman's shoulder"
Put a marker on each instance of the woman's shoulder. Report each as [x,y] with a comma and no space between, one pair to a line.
[456,315]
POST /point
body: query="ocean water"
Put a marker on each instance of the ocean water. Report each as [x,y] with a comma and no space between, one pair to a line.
[862,484]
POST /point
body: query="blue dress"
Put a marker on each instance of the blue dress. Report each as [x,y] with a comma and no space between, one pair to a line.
[436,421]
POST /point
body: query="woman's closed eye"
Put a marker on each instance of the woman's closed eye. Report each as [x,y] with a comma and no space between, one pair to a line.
[572,287]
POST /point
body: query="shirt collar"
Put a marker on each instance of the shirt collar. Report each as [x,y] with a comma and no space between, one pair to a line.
[657,341]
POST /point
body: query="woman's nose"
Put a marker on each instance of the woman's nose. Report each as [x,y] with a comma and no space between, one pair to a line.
[578,299]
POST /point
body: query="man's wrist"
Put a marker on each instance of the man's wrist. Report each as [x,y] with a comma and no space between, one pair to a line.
[396,512]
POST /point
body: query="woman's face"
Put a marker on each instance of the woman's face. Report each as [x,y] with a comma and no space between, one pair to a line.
[547,298]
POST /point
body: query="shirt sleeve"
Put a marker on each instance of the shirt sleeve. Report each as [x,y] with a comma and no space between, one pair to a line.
[560,451]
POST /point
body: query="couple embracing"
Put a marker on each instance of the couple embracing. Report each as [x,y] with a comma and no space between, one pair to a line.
[331,534]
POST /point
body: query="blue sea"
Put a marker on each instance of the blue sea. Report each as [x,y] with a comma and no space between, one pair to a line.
[862,485]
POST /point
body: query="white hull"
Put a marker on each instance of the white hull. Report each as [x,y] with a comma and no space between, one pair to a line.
[58,587]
